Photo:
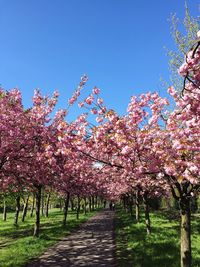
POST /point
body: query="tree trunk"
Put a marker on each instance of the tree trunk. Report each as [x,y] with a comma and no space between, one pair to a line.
[85,205]
[72,204]
[137,207]
[147,217]
[131,205]
[33,206]
[90,204]
[17,209]
[185,232]
[66,206]
[78,209]
[124,202]
[96,200]
[47,205]
[42,200]
[4,210]
[37,211]
[60,204]
[25,209]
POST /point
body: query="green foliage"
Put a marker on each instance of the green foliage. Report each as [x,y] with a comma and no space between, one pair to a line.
[10,201]
[184,39]
[161,248]
[17,246]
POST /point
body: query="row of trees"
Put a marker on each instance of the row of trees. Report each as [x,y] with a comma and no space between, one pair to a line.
[151,151]
[39,153]
[24,203]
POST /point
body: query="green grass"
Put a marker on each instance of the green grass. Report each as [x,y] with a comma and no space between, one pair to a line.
[160,249]
[18,246]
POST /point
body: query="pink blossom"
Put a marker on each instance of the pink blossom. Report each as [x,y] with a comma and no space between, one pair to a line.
[80,104]
[126,150]
[94,111]
[171,91]
[100,101]
[99,119]
[89,99]
[71,100]
[56,94]
[96,91]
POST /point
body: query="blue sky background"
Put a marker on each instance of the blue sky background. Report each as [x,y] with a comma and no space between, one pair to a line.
[49,44]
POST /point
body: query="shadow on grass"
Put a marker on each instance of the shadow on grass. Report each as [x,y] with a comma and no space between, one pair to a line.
[18,245]
[161,248]
[135,248]
[51,228]
[26,228]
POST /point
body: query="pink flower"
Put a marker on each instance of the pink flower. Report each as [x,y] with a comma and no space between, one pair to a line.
[126,150]
[183,69]
[93,111]
[56,94]
[72,100]
[89,99]
[96,91]
[99,119]
[171,91]
[80,104]
[100,101]
[84,78]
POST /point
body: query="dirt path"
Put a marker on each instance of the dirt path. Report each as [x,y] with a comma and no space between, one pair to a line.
[91,245]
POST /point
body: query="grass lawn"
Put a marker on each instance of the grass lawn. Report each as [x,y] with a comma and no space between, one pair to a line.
[18,246]
[161,248]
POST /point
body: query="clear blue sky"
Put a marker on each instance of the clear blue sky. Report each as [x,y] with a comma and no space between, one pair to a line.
[49,44]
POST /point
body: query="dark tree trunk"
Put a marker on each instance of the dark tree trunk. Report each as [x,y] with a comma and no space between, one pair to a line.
[124,202]
[37,211]
[85,205]
[33,206]
[42,200]
[137,207]
[60,204]
[17,209]
[96,200]
[25,209]
[90,204]
[185,232]
[147,217]
[194,204]
[78,209]
[66,206]
[47,205]
[131,205]
[72,204]
[4,210]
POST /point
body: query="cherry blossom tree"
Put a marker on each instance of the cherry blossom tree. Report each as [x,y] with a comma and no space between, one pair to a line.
[139,144]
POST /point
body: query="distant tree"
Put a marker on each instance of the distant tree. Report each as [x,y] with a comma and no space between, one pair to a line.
[184,38]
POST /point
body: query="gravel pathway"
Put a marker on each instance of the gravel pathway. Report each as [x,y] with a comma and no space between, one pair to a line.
[91,245]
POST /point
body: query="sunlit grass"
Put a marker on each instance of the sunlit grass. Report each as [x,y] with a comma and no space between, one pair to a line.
[18,246]
[160,249]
